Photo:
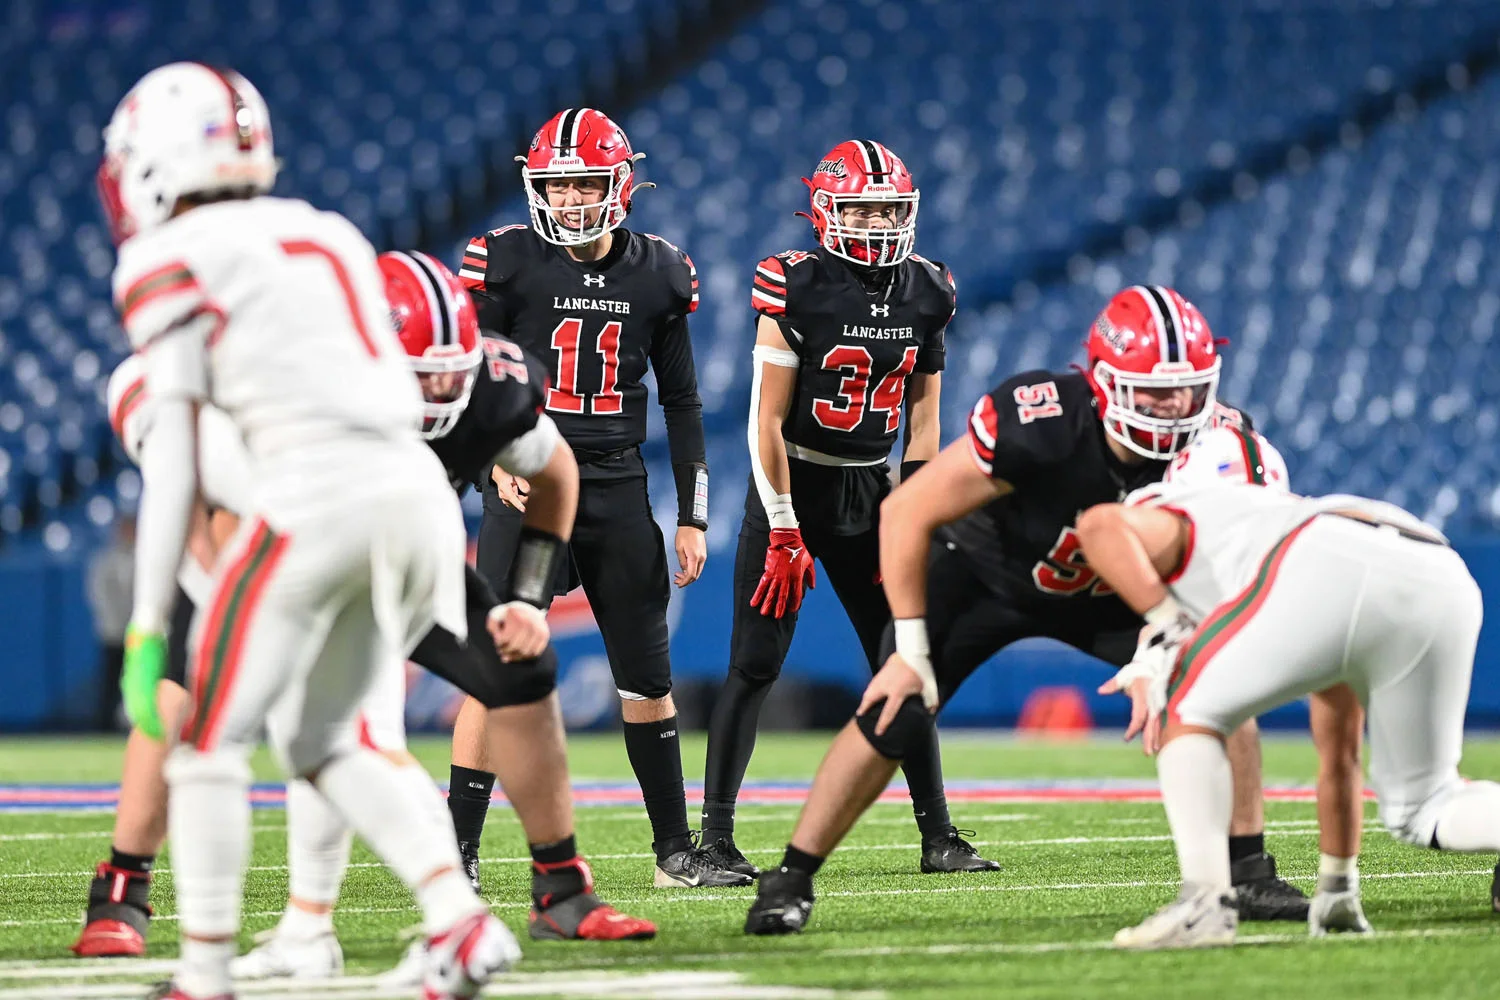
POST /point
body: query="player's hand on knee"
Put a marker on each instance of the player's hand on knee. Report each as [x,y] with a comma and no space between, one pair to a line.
[789,571]
[895,682]
[145,666]
[519,630]
[1337,910]
[692,553]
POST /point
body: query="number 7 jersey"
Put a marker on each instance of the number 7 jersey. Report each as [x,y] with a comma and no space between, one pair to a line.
[856,346]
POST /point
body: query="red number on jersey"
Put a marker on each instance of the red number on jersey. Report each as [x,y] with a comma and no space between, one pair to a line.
[506,360]
[891,391]
[1034,402]
[794,257]
[1064,571]
[845,416]
[302,248]
[565,397]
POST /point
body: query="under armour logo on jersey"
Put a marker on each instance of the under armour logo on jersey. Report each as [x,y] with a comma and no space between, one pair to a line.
[879,310]
[596,280]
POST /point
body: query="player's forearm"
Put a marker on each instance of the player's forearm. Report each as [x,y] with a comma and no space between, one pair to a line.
[923,423]
[905,537]
[689,462]
[553,502]
[1114,551]
[770,397]
[169,472]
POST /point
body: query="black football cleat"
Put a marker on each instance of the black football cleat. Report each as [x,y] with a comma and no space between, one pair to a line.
[783,903]
[1261,894]
[730,858]
[469,852]
[949,852]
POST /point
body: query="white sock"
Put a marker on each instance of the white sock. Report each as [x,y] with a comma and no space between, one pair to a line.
[298,924]
[318,843]
[1198,792]
[390,814]
[203,967]
[1470,819]
[208,817]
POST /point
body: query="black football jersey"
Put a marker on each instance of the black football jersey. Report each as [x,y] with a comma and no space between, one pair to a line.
[857,344]
[1041,432]
[505,404]
[596,326]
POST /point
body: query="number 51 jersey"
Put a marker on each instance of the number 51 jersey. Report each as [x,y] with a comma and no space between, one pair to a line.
[856,346]
[596,326]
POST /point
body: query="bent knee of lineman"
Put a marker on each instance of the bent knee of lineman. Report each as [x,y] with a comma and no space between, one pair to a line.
[1414,818]
[910,723]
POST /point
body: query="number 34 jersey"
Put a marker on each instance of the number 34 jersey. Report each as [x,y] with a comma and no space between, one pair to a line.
[1040,432]
[596,326]
[856,347]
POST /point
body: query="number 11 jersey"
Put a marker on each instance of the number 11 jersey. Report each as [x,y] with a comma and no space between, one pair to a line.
[596,326]
[857,342]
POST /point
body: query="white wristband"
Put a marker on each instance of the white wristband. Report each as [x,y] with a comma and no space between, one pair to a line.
[912,647]
[1165,613]
[780,513]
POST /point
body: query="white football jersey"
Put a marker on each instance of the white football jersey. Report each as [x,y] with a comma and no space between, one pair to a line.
[1234,527]
[300,352]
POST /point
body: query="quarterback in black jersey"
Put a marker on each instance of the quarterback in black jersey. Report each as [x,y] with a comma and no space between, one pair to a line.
[847,335]
[979,550]
[601,304]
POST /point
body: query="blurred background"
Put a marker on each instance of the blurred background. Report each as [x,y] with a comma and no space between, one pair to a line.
[1320,176]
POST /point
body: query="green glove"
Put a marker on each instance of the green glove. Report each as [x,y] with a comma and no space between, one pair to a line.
[145,666]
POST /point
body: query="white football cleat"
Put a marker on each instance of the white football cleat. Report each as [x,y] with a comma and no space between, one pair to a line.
[411,970]
[278,956]
[1197,918]
[462,959]
[1337,910]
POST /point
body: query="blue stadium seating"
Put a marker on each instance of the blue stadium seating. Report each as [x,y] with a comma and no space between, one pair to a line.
[1355,284]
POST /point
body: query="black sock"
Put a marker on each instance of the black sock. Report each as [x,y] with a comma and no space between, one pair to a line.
[1246,846]
[923,767]
[131,862]
[555,853]
[656,758]
[801,861]
[469,801]
[731,741]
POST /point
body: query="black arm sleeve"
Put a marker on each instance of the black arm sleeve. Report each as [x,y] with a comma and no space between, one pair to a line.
[677,389]
[478,593]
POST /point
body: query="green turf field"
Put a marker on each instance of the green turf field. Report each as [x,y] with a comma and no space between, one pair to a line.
[1074,873]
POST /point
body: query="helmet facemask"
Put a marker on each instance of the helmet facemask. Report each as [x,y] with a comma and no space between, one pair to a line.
[607,214]
[1144,433]
[879,246]
[447,375]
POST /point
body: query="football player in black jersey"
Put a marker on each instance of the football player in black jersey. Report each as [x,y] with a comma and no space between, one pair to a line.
[979,550]
[602,304]
[482,403]
[846,333]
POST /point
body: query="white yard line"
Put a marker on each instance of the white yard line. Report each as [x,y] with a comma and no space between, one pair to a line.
[680,896]
[1300,831]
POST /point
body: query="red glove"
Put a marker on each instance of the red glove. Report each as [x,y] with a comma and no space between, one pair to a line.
[788,565]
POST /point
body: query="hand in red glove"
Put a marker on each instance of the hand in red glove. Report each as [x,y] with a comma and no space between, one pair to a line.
[788,566]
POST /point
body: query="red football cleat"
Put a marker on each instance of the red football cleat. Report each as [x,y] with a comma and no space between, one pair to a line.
[118,915]
[109,939]
[564,907]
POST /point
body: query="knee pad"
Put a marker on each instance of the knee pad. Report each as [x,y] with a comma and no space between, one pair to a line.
[525,683]
[752,677]
[912,719]
[302,754]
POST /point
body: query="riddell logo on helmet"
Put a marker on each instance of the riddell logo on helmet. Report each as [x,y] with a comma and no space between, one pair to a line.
[1111,334]
[834,167]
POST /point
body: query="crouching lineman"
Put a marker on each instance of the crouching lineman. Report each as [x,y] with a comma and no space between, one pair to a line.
[119,908]
[274,312]
[978,550]
[1254,598]
[482,403]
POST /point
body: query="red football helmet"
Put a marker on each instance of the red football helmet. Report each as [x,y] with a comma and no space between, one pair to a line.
[435,319]
[861,175]
[1151,338]
[579,142]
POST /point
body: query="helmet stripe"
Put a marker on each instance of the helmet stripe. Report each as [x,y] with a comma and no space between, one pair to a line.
[437,299]
[1172,299]
[444,296]
[1161,326]
[874,162]
[239,110]
[578,127]
[564,136]
[1171,340]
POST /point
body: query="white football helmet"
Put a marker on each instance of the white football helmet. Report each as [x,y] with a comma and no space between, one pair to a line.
[184,129]
[129,414]
[1229,455]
